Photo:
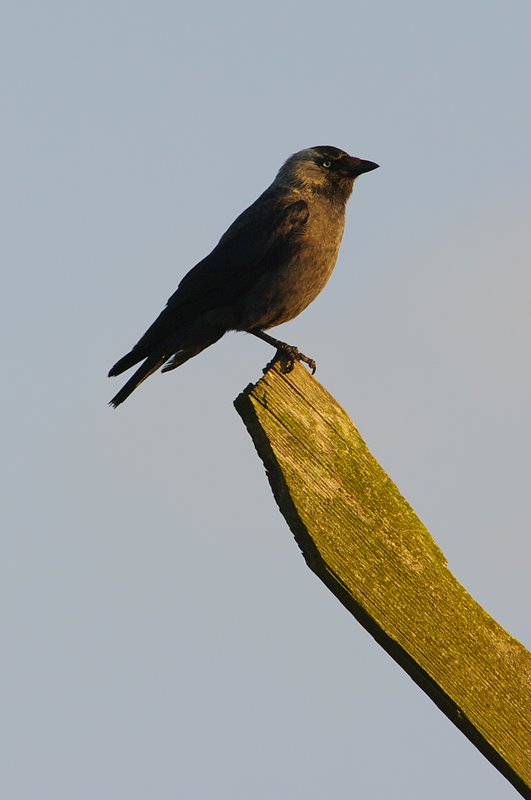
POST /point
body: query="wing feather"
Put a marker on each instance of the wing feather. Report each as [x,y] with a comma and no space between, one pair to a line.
[260,239]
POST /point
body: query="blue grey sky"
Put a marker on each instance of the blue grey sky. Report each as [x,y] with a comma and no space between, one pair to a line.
[162,636]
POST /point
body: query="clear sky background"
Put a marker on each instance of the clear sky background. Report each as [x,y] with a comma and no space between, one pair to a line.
[161,634]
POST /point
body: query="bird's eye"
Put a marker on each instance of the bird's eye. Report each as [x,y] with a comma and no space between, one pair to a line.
[326,164]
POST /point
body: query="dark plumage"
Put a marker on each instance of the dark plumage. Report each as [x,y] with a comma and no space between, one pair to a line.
[269,265]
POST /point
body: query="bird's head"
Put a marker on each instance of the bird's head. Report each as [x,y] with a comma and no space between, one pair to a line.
[323,170]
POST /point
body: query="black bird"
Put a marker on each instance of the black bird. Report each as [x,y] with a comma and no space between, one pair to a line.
[270,264]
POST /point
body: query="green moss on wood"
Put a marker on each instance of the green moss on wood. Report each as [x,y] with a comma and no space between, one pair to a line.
[363,539]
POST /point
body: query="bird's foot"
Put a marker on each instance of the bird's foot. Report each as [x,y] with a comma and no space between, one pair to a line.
[287,355]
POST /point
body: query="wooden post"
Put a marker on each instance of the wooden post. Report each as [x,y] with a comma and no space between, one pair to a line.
[365,542]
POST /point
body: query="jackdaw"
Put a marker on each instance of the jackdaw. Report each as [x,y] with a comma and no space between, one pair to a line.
[269,265]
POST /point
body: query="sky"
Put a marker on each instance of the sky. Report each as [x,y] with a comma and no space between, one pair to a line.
[162,635]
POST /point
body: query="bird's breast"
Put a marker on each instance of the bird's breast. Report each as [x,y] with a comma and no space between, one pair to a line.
[287,288]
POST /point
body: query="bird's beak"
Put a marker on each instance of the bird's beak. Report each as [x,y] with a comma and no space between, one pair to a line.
[357,166]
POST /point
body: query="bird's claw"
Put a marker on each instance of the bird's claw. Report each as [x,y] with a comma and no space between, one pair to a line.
[309,362]
[287,355]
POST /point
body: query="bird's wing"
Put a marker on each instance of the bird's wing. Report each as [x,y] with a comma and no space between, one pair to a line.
[259,240]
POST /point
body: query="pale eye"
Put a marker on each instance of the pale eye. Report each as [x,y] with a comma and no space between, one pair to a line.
[327,164]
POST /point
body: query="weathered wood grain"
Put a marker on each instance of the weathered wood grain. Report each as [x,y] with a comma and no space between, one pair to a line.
[365,542]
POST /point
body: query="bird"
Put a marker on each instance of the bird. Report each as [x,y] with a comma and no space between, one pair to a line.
[268,266]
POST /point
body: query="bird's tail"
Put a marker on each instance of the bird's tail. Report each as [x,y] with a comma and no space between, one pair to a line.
[156,360]
[149,366]
[128,361]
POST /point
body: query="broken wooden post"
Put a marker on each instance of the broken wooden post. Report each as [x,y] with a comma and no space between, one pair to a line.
[365,542]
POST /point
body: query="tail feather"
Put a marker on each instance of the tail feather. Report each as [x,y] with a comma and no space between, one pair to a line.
[191,349]
[149,366]
[184,353]
[129,360]
[152,362]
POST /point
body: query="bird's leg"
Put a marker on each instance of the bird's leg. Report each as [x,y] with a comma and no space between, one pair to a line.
[285,352]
